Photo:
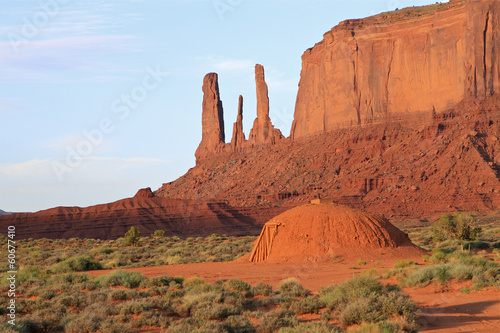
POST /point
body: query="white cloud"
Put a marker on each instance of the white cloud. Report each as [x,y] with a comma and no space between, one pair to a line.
[234,65]
[90,170]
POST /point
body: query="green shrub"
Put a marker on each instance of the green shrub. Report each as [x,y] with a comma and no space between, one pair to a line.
[403,263]
[293,287]
[77,264]
[361,310]
[364,299]
[134,307]
[152,318]
[340,295]
[28,273]
[476,245]
[121,278]
[86,323]
[309,304]
[214,311]
[239,285]
[312,327]
[133,237]
[261,289]
[459,226]
[238,324]
[273,321]
[159,233]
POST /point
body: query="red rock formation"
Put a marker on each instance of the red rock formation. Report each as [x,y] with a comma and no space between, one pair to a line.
[263,131]
[176,217]
[238,140]
[213,137]
[483,48]
[412,61]
[144,193]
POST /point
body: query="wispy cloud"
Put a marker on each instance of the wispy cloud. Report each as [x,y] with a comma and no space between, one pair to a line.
[234,65]
[92,169]
[83,37]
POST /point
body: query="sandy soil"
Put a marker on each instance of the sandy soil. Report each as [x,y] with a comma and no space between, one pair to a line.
[443,309]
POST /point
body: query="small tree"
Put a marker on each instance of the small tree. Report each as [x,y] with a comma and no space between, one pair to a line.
[458,225]
[133,237]
[159,233]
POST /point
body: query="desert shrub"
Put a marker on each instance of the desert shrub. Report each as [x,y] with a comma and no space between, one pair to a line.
[476,245]
[312,327]
[84,323]
[133,237]
[261,289]
[459,226]
[101,250]
[293,287]
[382,327]
[111,325]
[403,263]
[364,299]
[134,307]
[239,285]
[340,295]
[438,256]
[238,324]
[103,309]
[423,276]
[309,304]
[361,310]
[28,273]
[159,281]
[273,321]
[70,278]
[77,264]
[122,295]
[466,266]
[214,311]
[152,318]
[159,233]
[121,278]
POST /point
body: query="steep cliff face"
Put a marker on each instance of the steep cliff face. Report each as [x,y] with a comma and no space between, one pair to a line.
[213,136]
[483,48]
[394,65]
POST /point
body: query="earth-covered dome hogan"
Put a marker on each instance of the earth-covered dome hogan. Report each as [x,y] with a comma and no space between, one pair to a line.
[317,231]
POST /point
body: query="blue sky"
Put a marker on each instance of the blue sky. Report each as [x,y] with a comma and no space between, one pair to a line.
[101,98]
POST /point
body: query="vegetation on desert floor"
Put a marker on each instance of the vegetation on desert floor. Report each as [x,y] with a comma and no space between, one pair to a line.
[124,301]
[54,296]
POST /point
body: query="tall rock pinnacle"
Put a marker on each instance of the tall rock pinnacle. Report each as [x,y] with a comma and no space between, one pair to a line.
[213,137]
[238,136]
[263,131]
[262,96]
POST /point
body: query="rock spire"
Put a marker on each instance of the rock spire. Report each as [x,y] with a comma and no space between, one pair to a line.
[213,137]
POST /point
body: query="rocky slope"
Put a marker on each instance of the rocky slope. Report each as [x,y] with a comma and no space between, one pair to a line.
[415,168]
[3,212]
[413,61]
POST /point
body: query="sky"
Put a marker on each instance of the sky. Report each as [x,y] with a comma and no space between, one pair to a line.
[101,98]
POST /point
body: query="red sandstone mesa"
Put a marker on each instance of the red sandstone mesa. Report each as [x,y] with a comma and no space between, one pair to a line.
[388,67]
